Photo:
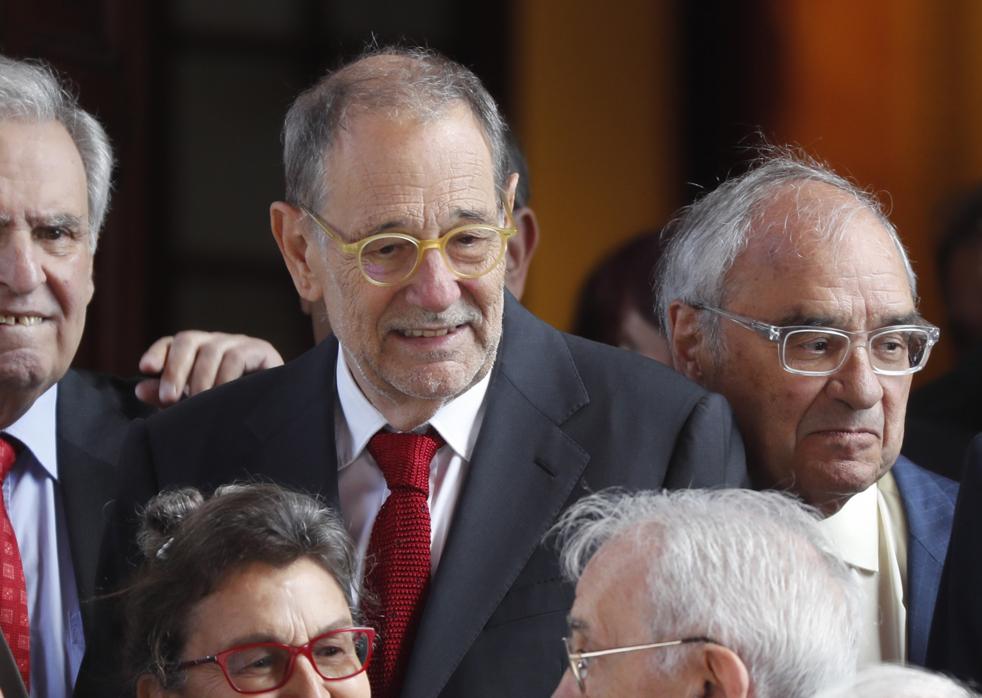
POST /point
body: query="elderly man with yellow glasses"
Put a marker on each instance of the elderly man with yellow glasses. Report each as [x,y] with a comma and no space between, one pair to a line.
[450,425]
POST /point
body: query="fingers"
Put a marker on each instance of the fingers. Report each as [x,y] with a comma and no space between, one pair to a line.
[153,359]
[193,361]
[189,350]
[148,391]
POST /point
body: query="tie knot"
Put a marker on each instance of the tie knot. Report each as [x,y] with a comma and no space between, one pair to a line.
[404,459]
[8,454]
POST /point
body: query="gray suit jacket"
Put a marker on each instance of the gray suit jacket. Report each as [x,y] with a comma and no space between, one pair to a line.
[564,417]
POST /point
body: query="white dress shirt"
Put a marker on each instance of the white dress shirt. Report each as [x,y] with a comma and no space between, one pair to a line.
[361,485]
[869,533]
[32,494]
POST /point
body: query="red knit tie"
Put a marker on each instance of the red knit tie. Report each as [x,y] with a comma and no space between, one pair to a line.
[400,550]
[14,621]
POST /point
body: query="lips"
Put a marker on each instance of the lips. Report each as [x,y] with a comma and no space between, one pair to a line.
[26,320]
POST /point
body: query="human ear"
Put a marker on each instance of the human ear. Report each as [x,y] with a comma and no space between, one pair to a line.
[688,341]
[286,222]
[727,674]
[521,248]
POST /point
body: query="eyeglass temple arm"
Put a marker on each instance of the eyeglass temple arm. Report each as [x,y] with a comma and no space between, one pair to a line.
[770,332]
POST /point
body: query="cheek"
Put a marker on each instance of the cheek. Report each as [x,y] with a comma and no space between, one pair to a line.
[895,406]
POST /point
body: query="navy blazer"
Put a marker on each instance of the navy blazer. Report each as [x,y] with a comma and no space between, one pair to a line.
[564,416]
[929,504]
[92,415]
[956,636]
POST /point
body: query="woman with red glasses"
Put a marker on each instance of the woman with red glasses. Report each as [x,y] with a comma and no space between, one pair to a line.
[250,592]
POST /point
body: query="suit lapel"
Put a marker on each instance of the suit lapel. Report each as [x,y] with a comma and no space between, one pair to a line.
[293,426]
[90,428]
[523,471]
[929,509]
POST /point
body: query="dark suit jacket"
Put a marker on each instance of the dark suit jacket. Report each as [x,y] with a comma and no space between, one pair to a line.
[929,504]
[943,417]
[956,636]
[92,413]
[564,417]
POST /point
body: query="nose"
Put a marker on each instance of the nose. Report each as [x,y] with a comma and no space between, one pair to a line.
[855,383]
[433,287]
[567,687]
[304,682]
[20,267]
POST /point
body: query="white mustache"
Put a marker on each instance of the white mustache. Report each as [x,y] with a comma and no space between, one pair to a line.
[421,319]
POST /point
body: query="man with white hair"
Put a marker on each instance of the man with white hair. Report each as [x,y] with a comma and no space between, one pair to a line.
[729,593]
[62,428]
[788,291]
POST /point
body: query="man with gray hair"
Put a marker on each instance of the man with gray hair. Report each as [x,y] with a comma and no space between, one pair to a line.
[788,291]
[729,593]
[62,428]
[397,216]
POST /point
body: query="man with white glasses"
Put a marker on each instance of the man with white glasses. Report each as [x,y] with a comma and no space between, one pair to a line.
[788,291]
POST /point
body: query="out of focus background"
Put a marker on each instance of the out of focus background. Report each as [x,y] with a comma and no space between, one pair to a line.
[626,110]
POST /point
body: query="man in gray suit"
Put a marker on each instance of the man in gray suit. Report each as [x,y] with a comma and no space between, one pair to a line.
[397,217]
[788,291]
[66,426]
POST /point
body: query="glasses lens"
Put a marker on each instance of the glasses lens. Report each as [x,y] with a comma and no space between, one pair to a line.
[388,259]
[257,668]
[900,349]
[341,654]
[473,251]
[814,351]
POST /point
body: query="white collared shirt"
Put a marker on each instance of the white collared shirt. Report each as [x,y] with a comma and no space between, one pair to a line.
[869,533]
[361,485]
[32,494]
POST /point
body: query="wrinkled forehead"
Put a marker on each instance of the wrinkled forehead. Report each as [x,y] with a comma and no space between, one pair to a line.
[41,168]
[814,232]
[800,216]
[388,166]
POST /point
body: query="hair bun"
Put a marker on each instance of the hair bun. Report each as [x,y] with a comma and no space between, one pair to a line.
[162,515]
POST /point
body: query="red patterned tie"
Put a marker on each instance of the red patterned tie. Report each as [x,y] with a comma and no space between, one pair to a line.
[14,621]
[400,550]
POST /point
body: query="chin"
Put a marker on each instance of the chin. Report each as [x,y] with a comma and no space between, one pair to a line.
[443,380]
[23,369]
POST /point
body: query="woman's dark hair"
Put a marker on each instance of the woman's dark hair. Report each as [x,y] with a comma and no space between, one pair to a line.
[621,282]
[192,545]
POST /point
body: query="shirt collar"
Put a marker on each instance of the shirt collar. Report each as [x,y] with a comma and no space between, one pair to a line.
[36,429]
[457,421]
[854,531]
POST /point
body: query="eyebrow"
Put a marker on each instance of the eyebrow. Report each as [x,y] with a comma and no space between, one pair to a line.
[577,624]
[63,220]
[460,216]
[802,320]
[270,637]
[56,220]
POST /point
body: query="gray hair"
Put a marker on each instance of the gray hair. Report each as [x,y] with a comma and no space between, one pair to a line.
[708,235]
[32,93]
[894,681]
[393,81]
[192,546]
[748,569]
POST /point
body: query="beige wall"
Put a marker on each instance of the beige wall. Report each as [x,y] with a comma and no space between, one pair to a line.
[593,103]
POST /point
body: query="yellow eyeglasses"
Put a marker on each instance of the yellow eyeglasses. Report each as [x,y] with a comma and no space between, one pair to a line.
[389,258]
